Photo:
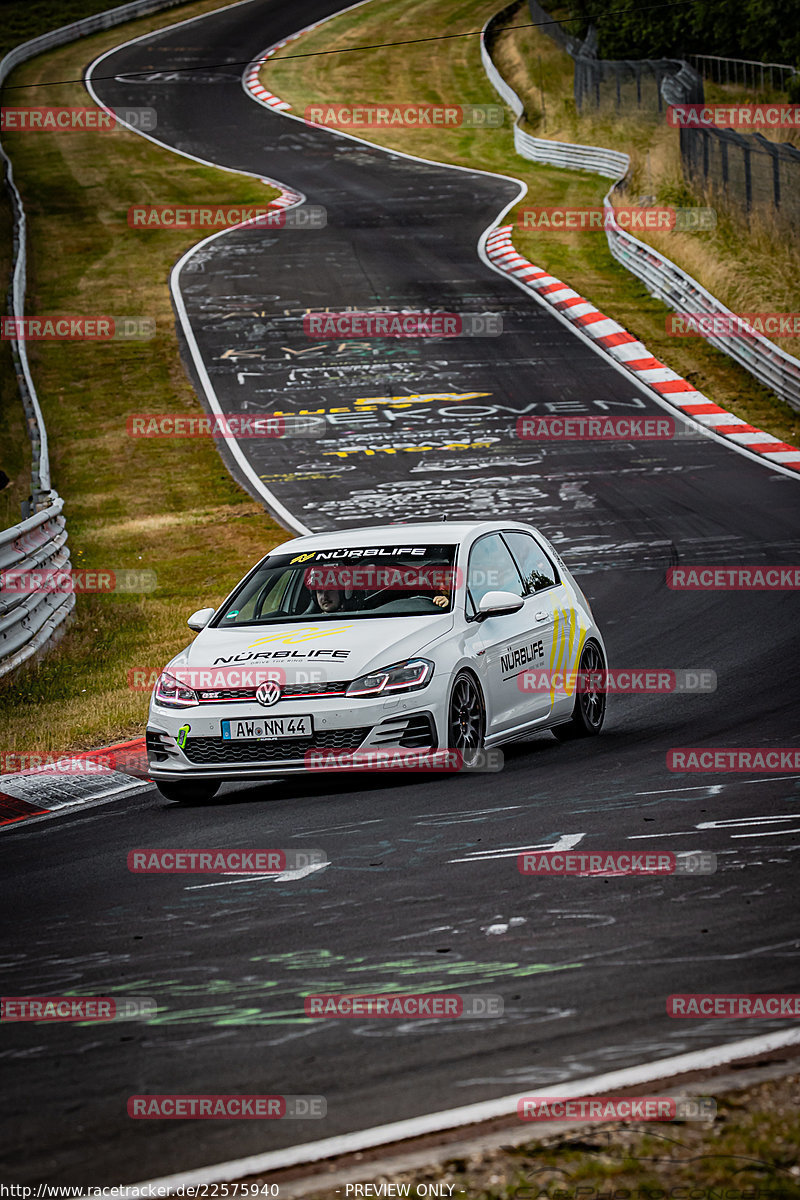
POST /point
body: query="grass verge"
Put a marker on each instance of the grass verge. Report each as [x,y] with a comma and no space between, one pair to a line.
[451,72]
[749,1152]
[168,506]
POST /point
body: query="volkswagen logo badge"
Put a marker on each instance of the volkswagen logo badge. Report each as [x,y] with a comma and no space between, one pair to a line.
[268,693]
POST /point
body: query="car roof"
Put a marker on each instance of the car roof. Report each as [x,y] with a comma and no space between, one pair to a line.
[432,532]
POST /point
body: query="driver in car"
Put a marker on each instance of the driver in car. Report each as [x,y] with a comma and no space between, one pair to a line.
[328,600]
[444,592]
[442,597]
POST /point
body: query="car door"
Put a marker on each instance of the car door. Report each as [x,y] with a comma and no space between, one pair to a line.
[511,643]
[550,606]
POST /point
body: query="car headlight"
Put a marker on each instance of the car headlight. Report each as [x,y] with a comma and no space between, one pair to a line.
[401,677]
[170,692]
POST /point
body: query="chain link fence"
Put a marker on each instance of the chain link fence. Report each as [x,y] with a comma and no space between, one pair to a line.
[744,172]
[744,72]
[644,85]
[552,28]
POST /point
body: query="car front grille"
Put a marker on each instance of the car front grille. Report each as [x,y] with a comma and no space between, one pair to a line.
[216,750]
[289,691]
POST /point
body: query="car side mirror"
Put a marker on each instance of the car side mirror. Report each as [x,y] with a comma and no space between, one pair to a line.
[198,620]
[499,604]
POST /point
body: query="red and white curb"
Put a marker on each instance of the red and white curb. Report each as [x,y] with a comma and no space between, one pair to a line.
[251,78]
[634,356]
[252,82]
[73,781]
[254,85]
[286,199]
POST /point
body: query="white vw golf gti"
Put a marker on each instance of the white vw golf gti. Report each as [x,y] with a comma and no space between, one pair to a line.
[398,637]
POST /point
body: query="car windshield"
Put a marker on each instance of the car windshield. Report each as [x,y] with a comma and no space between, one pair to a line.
[379,581]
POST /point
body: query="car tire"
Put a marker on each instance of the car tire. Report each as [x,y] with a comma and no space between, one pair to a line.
[192,792]
[589,710]
[466,719]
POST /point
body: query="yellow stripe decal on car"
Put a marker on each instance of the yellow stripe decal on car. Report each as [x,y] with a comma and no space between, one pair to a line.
[562,657]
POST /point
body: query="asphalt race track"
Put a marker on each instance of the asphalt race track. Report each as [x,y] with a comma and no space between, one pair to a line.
[422,889]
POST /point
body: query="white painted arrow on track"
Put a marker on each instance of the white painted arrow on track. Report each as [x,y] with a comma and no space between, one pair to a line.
[565,841]
[281,877]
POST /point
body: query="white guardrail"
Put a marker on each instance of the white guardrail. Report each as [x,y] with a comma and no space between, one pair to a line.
[771,366]
[27,622]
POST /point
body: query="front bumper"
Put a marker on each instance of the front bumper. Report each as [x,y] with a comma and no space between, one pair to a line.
[412,721]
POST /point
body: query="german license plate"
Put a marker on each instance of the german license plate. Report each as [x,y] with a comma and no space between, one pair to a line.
[267,728]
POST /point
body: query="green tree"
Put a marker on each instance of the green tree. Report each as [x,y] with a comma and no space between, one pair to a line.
[764,30]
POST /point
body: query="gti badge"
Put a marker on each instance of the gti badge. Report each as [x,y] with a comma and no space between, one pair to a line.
[268,693]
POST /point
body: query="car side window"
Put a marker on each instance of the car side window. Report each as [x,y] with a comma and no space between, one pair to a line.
[491,569]
[535,567]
